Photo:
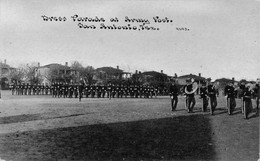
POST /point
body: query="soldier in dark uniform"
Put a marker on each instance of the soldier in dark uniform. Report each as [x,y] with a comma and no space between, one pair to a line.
[212,93]
[117,90]
[247,95]
[190,96]
[103,90]
[47,88]
[174,95]
[125,90]
[17,88]
[92,91]
[151,91]
[113,88]
[87,90]
[75,87]
[131,89]
[98,91]
[257,94]
[109,90]
[13,87]
[229,93]
[203,96]
[71,90]
[43,89]
[81,88]
[136,91]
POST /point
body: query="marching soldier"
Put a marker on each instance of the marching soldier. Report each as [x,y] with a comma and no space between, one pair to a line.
[203,96]
[135,91]
[212,93]
[247,103]
[113,90]
[229,93]
[174,95]
[190,96]
[125,90]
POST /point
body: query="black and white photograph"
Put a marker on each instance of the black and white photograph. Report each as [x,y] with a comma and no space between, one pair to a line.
[129,80]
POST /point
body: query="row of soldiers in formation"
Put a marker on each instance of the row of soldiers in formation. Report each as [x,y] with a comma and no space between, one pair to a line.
[208,93]
[81,89]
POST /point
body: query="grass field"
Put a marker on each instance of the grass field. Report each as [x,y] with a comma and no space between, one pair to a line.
[46,128]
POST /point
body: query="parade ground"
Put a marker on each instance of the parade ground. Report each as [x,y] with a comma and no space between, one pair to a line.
[63,129]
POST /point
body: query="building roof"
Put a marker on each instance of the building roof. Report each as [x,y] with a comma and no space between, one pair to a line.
[55,65]
[110,70]
[153,73]
[191,76]
[3,65]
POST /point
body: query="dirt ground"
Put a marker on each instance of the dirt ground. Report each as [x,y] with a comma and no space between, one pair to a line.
[46,128]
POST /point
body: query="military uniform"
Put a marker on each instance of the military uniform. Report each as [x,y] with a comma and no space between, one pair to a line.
[212,93]
[247,95]
[203,96]
[190,98]
[229,92]
[174,96]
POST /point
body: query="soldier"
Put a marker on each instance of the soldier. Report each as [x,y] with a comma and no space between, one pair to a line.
[81,88]
[117,90]
[174,95]
[109,91]
[75,91]
[13,87]
[131,90]
[151,91]
[87,90]
[98,91]
[257,94]
[92,91]
[212,93]
[247,103]
[242,88]
[121,90]
[156,91]
[136,91]
[229,93]
[125,90]
[103,90]
[113,88]
[71,90]
[190,96]
[43,89]
[203,96]
[47,88]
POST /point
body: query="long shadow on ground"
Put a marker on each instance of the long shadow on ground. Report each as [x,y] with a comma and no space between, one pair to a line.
[177,138]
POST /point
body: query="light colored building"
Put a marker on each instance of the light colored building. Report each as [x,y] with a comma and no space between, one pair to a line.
[5,71]
[55,72]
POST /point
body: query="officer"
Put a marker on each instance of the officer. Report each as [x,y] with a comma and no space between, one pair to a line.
[203,96]
[173,91]
[81,88]
[103,90]
[98,90]
[247,95]
[190,96]
[229,93]
[212,93]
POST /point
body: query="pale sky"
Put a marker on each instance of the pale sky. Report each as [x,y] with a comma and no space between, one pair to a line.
[222,41]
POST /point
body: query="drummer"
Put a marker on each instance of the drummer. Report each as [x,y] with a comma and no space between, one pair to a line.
[190,95]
